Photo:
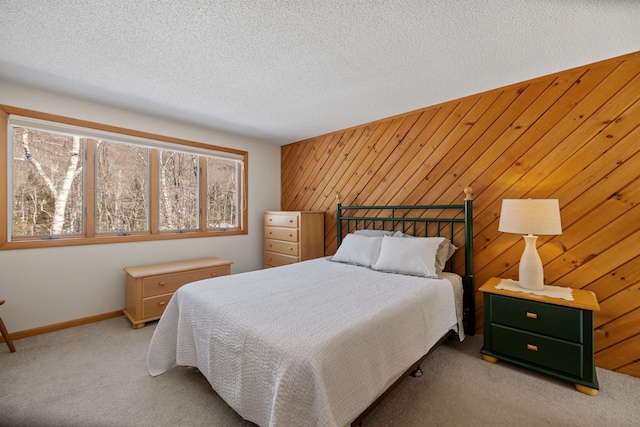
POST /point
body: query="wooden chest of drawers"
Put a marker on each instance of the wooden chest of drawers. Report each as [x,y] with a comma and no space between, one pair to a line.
[150,287]
[548,335]
[290,237]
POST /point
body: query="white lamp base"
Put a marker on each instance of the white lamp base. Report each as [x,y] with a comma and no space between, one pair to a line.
[531,273]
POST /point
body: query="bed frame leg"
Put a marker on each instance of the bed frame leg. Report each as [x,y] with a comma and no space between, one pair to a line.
[417,372]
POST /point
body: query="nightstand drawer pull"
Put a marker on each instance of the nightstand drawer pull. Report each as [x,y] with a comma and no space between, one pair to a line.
[532,347]
[531,315]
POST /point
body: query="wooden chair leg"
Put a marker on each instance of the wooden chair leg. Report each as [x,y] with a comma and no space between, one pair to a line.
[5,335]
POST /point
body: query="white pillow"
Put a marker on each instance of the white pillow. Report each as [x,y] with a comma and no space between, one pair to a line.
[416,256]
[358,250]
[445,250]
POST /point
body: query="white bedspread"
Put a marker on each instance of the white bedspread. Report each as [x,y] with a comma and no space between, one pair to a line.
[313,343]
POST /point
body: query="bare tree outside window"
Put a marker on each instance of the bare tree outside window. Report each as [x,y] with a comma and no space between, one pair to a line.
[47,183]
[178,191]
[222,193]
[122,187]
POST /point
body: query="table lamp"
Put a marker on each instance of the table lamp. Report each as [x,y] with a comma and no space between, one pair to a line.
[530,217]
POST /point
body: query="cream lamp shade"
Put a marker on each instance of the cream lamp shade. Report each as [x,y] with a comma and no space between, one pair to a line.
[531,217]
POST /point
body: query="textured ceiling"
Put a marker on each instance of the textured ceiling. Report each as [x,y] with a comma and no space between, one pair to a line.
[287,70]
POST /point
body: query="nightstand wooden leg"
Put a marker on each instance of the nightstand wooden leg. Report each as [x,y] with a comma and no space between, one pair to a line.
[586,390]
[490,359]
[138,325]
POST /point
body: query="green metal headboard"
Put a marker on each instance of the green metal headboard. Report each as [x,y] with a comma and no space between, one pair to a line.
[412,224]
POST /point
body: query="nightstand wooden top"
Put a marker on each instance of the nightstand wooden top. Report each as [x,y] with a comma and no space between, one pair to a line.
[581,298]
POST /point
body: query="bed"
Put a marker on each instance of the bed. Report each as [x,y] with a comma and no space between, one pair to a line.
[319,342]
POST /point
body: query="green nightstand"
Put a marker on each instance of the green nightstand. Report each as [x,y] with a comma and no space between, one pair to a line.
[548,335]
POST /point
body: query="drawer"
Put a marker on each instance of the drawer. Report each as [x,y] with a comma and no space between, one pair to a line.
[286,248]
[289,235]
[274,260]
[154,306]
[546,319]
[560,355]
[169,283]
[285,220]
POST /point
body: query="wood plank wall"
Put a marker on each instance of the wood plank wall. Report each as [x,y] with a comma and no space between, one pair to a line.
[574,136]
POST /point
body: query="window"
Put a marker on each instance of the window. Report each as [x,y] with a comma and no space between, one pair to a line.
[179,180]
[122,188]
[47,183]
[222,193]
[71,182]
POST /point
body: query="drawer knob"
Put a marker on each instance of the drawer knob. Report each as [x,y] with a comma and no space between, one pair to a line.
[213,274]
[532,315]
[162,283]
[270,219]
[290,220]
[532,347]
[290,235]
[161,303]
[290,249]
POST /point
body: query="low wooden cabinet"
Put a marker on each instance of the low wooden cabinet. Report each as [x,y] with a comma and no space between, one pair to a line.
[548,335]
[150,287]
[291,237]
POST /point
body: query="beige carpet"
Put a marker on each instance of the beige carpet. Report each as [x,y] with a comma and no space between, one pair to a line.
[95,375]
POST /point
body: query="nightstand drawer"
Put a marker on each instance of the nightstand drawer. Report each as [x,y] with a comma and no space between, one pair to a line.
[552,353]
[547,319]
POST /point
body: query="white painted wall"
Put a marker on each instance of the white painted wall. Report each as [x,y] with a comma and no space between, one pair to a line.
[51,285]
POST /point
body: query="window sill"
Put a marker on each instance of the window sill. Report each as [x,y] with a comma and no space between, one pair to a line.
[31,243]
